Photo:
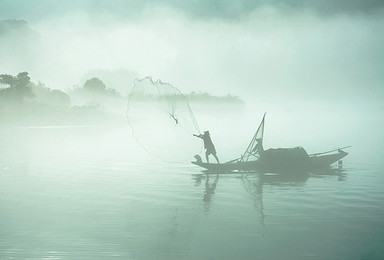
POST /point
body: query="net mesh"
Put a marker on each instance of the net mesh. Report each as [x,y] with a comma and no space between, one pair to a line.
[162,120]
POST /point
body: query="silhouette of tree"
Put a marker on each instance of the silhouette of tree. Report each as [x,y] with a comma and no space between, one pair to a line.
[60,98]
[6,79]
[19,86]
[95,85]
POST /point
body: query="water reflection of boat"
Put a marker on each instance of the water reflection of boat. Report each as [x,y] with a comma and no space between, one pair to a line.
[254,184]
[255,158]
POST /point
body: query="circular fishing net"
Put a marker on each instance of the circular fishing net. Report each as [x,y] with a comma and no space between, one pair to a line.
[162,121]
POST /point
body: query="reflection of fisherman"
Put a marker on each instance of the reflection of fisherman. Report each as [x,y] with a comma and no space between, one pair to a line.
[258,147]
[210,189]
[208,145]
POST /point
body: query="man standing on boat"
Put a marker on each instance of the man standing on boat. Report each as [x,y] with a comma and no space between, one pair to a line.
[208,145]
[259,147]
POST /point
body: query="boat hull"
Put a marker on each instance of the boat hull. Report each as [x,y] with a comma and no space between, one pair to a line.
[274,166]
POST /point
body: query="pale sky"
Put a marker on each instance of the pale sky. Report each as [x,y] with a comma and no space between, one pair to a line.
[270,50]
[225,9]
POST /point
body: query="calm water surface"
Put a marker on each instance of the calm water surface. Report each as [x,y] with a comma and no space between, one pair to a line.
[85,193]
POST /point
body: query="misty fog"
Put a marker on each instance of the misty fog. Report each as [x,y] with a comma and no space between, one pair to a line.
[296,64]
[93,163]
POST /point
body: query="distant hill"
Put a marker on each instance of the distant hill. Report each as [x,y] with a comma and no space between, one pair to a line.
[16,28]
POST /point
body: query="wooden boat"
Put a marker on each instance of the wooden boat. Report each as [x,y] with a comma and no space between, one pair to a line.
[274,160]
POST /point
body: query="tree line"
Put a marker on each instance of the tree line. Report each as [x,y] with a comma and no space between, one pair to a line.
[19,89]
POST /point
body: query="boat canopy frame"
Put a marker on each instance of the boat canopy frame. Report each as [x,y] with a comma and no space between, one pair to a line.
[253,150]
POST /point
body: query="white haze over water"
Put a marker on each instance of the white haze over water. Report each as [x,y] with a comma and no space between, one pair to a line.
[275,53]
[86,189]
[316,69]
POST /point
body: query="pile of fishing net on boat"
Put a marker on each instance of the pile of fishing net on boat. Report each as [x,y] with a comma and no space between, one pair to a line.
[162,121]
[285,155]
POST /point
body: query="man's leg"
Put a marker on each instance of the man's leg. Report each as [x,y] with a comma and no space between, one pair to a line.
[206,156]
[217,159]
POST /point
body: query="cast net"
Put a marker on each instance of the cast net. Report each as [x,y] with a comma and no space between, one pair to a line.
[162,121]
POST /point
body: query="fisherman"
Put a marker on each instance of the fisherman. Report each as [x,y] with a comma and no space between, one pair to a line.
[208,145]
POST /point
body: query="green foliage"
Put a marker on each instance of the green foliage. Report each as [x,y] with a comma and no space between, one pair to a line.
[44,95]
[60,97]
[19,87]
[6,79]
[45,106]
[95,85]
